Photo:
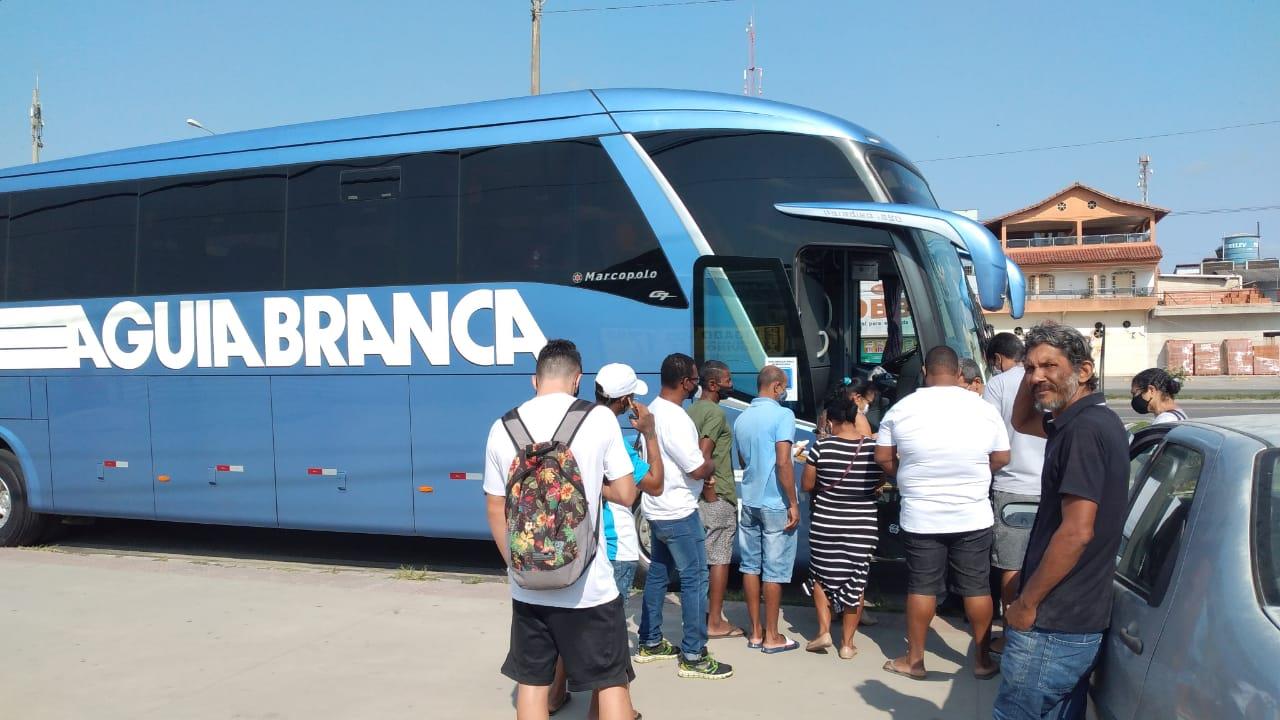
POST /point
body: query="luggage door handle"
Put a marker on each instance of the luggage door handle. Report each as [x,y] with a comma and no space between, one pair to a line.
[1129,636]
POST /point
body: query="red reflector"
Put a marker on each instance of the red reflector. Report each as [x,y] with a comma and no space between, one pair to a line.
[223,468]
[458,476]
[108,463]
[315,471]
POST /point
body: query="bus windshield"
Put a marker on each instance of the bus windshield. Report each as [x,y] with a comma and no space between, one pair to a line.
[961,320]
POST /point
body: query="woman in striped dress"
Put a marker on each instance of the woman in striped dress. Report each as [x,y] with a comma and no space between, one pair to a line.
[842,477]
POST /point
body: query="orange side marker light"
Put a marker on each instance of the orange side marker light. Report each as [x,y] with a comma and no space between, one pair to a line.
[426,489]
[162,478]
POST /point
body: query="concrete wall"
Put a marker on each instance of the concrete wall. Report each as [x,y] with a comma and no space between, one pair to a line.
[1198,283]
[1208,325]
[1126,349]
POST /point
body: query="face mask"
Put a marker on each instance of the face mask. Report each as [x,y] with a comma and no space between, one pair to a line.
[1140,405]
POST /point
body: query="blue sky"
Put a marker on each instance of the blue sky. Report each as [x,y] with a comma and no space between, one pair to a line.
[936,78]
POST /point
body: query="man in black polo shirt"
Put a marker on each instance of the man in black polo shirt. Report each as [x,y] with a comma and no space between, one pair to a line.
[1055,624]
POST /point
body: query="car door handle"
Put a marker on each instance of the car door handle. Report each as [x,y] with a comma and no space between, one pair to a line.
[1129,636]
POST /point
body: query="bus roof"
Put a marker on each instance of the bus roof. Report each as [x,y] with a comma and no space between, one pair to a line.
[627,110]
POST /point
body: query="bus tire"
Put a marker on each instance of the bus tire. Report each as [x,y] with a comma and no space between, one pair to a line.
[19,525]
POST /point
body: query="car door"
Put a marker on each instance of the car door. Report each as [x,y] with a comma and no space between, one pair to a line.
[1167,470]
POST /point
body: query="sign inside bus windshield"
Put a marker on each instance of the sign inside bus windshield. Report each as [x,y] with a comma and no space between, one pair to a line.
[316,331]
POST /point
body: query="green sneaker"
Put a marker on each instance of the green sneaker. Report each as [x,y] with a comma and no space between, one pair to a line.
[705,668]
[662,651]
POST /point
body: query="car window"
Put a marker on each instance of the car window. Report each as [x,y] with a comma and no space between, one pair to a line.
[1139,462]
[1156,520]
[1266,535]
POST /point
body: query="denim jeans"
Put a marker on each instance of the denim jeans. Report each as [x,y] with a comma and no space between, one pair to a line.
[624,574]
[1045,674]
[766,547]
[678,545]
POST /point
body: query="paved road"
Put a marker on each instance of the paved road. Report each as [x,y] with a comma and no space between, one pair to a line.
[127,636]
[1205,408]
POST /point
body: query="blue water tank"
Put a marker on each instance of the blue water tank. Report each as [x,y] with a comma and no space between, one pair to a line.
[1240,247]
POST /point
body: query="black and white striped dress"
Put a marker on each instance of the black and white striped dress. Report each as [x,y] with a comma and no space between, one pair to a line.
[843,528]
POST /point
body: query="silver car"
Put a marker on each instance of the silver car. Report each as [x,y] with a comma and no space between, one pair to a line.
[1195,631]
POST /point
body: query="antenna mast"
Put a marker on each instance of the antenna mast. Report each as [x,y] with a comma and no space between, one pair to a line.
[1144,174]
[752,77]
[37,123]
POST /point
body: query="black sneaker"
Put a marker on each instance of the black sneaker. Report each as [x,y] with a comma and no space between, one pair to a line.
[705,668]
[662,651]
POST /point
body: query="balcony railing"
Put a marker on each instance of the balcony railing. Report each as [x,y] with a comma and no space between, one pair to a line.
[1065,240]
[1106,294]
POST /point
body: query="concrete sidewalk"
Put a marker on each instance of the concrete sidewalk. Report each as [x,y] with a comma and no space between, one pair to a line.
[168,637]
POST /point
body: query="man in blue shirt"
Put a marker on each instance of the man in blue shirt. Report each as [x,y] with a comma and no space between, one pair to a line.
[764,433]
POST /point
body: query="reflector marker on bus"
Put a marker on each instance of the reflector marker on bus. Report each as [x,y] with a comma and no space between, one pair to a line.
[426,489]
[115,463]
[322,471]
[229,468]
[465,476]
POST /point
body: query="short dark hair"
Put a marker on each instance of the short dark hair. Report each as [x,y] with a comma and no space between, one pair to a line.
[1157,378]
[1006,344]
[1068,341]
[713,370]
[559,358]
[942,360]
[676,367]
[841,408]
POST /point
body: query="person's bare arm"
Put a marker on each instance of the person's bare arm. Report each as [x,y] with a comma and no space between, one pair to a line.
[787,480]
[999,459]
[707,446]
[887,459]
[622,491]
[1064,551]
[654,481]
[496,509]
[809,480]
[1026,419]
[704,471]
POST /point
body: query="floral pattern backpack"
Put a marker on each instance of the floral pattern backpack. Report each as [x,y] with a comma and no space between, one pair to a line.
[549,533]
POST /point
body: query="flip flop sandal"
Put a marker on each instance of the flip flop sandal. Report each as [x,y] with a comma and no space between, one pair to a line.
[733,633]
[889,668]
[558,708]
[752,645]
[788,646]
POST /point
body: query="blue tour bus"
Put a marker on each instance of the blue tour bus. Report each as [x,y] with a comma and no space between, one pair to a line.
[313,326]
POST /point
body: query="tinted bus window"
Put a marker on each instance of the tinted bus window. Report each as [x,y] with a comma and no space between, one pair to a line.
[557,212]
[904,186]
[379,221]
[4,241]
[730,181]
[73,242]
[212,233]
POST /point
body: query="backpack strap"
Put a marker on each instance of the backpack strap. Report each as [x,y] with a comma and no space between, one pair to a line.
[516,430]
[572,421]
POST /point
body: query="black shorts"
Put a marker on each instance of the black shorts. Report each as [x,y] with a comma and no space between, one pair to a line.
[592,641]
[967,555]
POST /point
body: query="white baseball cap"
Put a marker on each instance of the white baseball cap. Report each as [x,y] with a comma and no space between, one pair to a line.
[617,380]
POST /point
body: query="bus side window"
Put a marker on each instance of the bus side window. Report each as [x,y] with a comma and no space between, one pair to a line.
[4,243]
[212,233]
[73,242]
[376,221]
[560,213]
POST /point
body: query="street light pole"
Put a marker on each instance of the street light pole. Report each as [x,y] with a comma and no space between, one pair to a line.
[1100,332]
[535,57]
[196,124]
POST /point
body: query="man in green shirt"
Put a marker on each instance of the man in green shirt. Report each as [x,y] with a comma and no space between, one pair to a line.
[718,505]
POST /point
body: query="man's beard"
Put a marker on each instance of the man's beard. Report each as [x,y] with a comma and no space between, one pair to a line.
[1063,395]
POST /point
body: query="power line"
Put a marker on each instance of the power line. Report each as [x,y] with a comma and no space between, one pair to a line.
[1101,142]
[1223,211]
[639,6]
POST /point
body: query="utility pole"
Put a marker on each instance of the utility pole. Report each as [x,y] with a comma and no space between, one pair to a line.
[752,77]
[535,59]
[37,123]
[1144,174]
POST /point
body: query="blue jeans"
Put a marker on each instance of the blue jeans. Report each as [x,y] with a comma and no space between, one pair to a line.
[766,547]
[624,574]
[679,545]
[1045,674]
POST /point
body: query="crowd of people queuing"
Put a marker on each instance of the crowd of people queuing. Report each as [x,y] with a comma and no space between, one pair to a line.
[1024,475]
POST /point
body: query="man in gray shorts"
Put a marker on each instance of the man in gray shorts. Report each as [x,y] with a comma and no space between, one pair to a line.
[1016,486]
[718,505]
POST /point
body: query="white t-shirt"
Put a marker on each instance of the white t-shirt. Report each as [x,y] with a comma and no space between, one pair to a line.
[600,453]
[678,441]
[1026,452]
[1172,416]
[944,437]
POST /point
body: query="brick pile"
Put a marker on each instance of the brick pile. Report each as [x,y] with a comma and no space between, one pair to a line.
[1239,355]
[1266,359]
[1180,355]
[1208,358]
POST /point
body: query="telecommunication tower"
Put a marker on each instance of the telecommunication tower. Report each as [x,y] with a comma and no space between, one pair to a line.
[1144,174]
[37,123]
[752,77]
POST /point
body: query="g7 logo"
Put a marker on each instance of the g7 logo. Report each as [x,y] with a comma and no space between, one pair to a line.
[660,295]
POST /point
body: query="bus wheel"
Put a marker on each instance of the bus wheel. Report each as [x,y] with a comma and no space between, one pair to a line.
[645,539]
[18,524]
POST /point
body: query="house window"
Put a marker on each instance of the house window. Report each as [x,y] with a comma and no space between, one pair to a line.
[1043,283]
[1123,280]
